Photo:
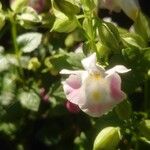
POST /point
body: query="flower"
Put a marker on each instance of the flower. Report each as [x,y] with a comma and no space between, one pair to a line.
[130,7]
[94,90]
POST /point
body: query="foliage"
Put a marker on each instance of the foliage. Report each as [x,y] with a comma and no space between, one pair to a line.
[36,42]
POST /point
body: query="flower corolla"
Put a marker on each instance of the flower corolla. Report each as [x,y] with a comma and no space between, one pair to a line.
[130,7]
[93,89]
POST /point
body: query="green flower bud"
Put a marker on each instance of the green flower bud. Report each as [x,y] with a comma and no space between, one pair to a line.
[34,64]
[107,139]
[144,128]
[109,35]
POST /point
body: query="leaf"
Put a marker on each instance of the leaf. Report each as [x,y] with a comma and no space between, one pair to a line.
[74,59]
[133,40]
[28,42]
[2,20]
[64,24]
[65,6]
[17,5]
[142,27]
[29,18]
[4,65]
[29,100]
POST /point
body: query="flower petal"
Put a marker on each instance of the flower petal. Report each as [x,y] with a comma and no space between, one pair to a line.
[74,81]
[115,87]
[89,63]
[110,5]
[97,110]
[119,69]
[66,71]
[77,97]
[130,7]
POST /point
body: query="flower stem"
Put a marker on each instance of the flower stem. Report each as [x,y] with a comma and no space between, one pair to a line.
[15,45]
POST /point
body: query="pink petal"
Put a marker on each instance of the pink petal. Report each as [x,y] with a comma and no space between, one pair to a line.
[73,90]
[73,108]
[97,110]
[74,81]
[115,87]
[76,96]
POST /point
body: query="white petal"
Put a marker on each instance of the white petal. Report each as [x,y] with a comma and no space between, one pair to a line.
[89,63]
[119,69]
[66,71]
[130,7]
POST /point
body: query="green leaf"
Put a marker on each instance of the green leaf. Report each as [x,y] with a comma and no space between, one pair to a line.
[146,52]
[28,42]
[8,89]
[29,100]
[64,24]
[17,5]
[8,129]
[66,6]
[144,128]
[29,18]
[133,40]
[124,110]
[2,20]
[142,26]
[4,64]
[74,59]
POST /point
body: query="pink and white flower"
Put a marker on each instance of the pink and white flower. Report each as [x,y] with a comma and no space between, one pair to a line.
[130,7]
[93,89]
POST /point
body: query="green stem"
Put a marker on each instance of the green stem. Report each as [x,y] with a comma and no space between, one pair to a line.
[15,45]
[92,33]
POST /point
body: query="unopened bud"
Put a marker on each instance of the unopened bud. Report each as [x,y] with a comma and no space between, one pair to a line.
[107,139]
[73,108]
[108,33]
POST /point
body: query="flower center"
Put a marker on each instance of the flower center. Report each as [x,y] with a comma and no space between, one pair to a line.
[96,95]
[92,87]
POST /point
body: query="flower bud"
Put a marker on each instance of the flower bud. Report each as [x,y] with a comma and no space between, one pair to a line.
[107,139]
[145,128]
[38,5]
[108,33]
[72,107]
